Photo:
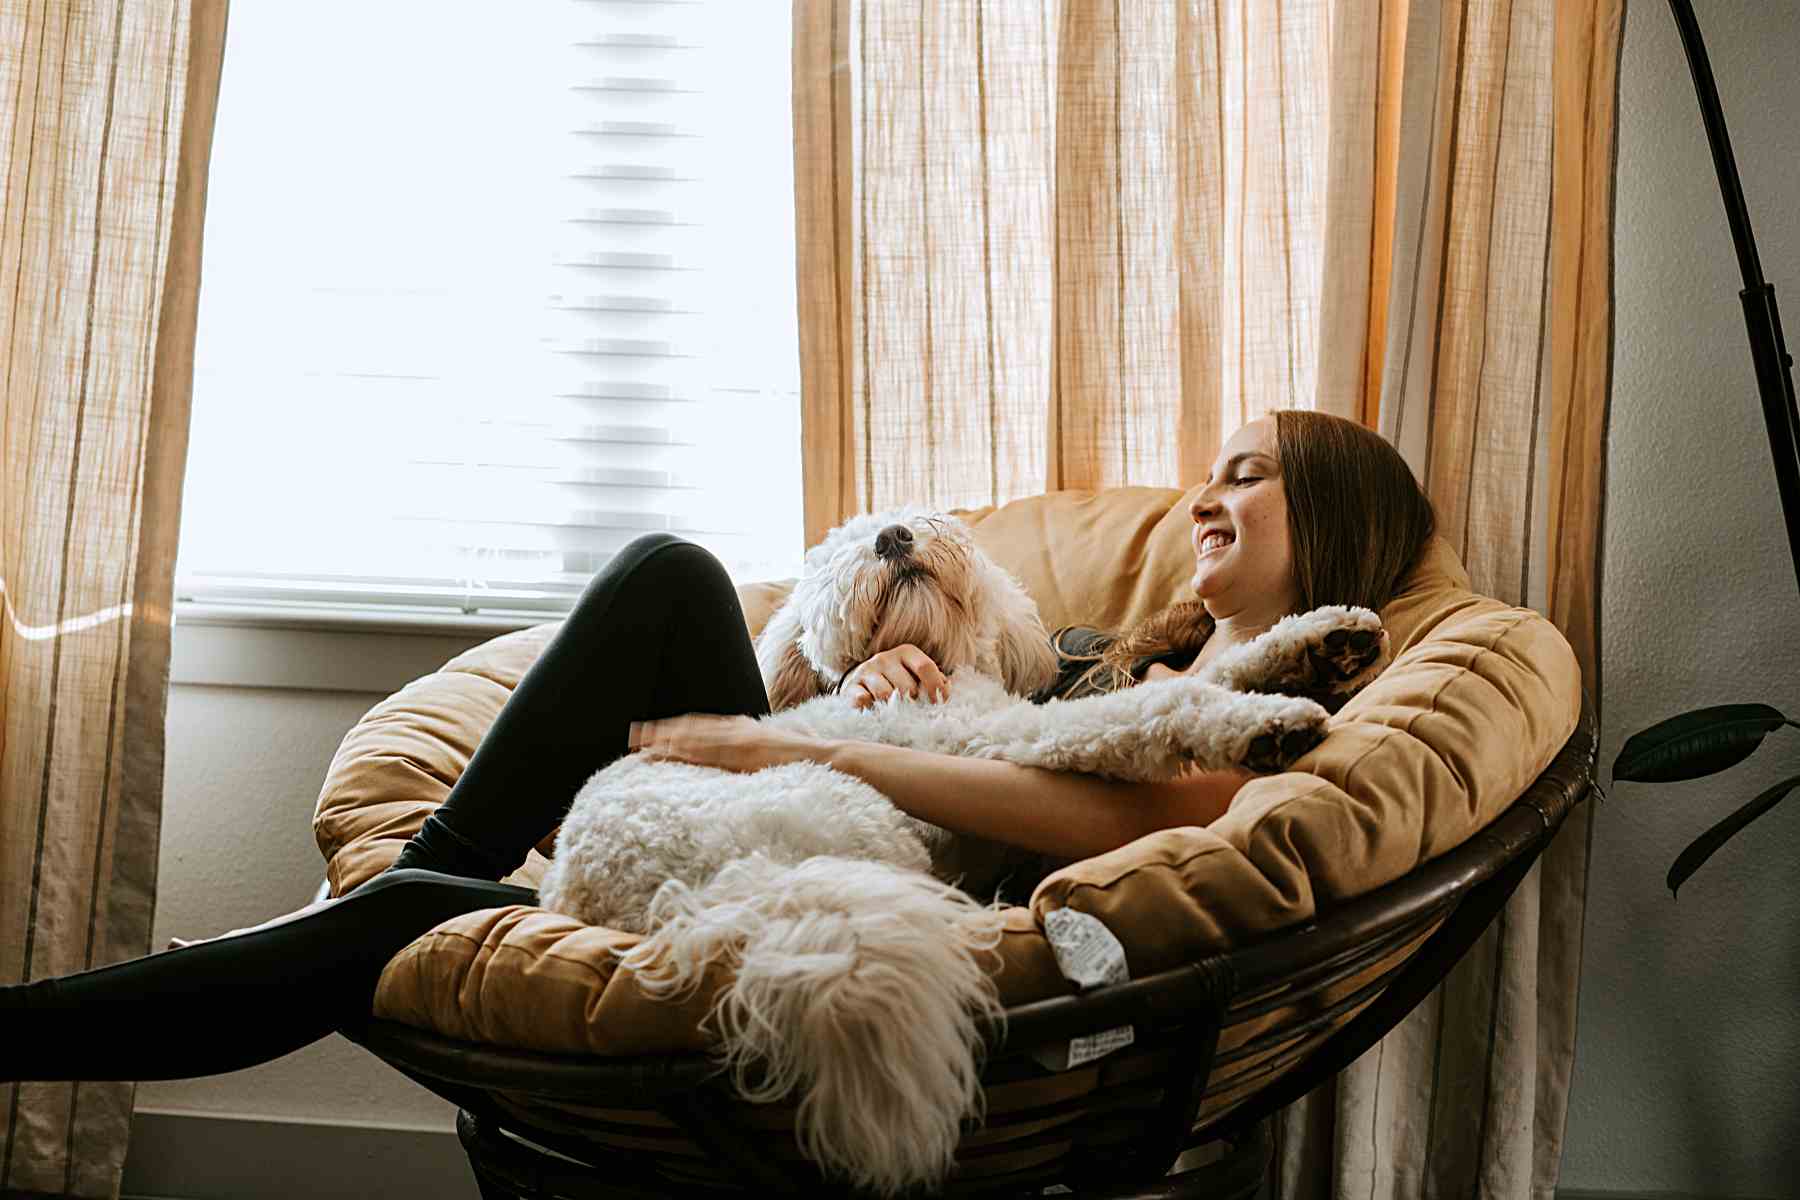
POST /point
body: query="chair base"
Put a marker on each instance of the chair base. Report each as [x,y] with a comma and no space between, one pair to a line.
[506,1168]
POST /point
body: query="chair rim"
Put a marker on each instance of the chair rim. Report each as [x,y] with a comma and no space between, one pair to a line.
[1429,890]
[1184,1010]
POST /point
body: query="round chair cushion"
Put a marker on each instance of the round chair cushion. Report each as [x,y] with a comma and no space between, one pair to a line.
[1477,700]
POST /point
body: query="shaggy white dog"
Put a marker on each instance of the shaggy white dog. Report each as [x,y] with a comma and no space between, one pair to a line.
[856,968]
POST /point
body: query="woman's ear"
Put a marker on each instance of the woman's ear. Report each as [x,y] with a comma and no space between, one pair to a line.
[794,681]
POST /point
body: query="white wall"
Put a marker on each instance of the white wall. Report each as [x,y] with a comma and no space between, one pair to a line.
[1685,1078]
[244,767]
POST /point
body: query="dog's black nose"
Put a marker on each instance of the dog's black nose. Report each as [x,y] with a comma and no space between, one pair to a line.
[894,542]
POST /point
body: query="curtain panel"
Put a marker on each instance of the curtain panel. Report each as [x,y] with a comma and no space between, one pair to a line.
[1075,243]
[106,117]
[1495,385]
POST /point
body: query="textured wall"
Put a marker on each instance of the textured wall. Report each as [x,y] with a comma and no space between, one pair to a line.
[1685,1079]
[244,767]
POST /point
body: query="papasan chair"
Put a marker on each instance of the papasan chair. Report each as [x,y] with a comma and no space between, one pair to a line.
[1266,951]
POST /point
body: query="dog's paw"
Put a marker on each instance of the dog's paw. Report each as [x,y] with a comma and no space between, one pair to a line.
[1328,652]
[1340,661]
[1282,743]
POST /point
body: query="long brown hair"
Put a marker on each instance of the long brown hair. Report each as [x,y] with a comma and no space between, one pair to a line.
[1357,519]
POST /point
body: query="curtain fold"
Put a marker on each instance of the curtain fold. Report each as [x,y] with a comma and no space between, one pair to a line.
[107,111]
[1495,387]
[1074,243]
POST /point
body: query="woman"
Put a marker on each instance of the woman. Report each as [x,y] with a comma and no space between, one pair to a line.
[1300,510]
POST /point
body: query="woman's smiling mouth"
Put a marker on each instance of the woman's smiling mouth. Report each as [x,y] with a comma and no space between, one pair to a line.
[1214,541]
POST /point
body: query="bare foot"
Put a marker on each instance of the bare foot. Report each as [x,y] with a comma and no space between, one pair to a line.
[176,943]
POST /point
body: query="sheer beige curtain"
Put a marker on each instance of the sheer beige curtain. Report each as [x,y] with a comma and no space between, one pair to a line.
[1073,243]
[1495,385]
[106,116]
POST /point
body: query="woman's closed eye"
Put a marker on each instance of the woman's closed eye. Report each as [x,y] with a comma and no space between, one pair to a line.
[1241,480]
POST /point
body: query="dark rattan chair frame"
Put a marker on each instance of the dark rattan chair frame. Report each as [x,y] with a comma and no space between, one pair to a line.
[1117,1140]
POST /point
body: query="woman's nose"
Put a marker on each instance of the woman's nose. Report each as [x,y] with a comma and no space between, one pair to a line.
[1203,506]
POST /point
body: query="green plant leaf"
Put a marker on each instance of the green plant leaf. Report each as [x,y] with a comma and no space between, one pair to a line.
[1696,743]
[1702,847]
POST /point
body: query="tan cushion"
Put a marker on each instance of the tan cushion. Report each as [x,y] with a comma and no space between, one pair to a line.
[1479,698]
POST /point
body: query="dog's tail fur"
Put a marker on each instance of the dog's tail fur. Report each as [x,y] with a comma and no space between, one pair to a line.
[856,984]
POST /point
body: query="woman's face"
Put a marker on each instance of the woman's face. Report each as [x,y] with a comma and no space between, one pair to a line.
[1243,554]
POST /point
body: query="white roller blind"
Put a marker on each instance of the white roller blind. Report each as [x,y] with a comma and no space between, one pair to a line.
[488,291]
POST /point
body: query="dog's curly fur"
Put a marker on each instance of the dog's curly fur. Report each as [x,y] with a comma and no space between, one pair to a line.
[946,597]
[856,972]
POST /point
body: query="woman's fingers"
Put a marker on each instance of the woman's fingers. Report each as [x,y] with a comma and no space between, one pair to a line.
[870,684]
[685,731]
[733,743]
[924,672]
[904,671]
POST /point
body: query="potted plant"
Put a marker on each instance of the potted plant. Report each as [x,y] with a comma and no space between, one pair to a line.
[1704,742]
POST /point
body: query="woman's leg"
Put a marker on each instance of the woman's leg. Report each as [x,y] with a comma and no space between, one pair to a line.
[658,632]
[232,1002]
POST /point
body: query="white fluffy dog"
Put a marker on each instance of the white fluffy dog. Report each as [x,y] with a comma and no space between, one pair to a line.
[856,973]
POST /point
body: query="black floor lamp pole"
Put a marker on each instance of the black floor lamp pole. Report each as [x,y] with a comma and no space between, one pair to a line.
[1774,368]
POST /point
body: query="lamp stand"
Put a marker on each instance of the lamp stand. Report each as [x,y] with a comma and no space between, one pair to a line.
[1774,366]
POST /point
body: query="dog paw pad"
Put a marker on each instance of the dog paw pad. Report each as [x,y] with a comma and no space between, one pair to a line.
[1342,655]
[1296,742]
[1278,749]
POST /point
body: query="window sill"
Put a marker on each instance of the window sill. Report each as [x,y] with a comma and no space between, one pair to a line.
[322,649]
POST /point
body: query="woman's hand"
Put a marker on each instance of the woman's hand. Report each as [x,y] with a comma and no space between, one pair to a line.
[729,743]
[905,669]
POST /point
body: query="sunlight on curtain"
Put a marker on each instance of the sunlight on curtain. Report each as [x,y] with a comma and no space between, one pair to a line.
[108,110]
[1072,245]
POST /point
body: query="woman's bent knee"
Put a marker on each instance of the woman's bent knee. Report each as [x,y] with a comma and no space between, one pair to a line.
[667,552]
[666,564]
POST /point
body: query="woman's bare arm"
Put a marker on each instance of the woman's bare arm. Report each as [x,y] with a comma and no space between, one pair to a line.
[1063,813]
[1052,812]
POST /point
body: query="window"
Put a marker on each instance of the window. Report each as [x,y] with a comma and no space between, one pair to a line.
[488,291]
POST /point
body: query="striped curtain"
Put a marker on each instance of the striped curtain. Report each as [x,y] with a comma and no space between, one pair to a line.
[1075,243]
[1495,385]
[106,116]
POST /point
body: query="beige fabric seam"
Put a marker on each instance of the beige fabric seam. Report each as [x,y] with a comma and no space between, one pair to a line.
[491,950]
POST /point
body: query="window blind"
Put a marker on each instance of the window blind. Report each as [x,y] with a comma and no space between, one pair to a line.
[487,293]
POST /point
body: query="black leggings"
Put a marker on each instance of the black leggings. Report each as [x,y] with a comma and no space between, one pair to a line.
[657,633]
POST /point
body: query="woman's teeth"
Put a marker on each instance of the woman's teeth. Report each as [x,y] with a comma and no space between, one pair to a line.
[1215,541]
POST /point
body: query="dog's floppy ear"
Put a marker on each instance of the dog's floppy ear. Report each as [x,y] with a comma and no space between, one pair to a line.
[794,681]
[784,668]
[1027,660]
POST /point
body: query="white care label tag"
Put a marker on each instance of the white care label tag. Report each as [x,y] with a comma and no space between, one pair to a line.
[1086,950]
[1099,1045]
[1089,956]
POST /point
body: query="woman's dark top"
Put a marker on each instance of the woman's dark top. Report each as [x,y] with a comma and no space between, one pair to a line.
[1078,647]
